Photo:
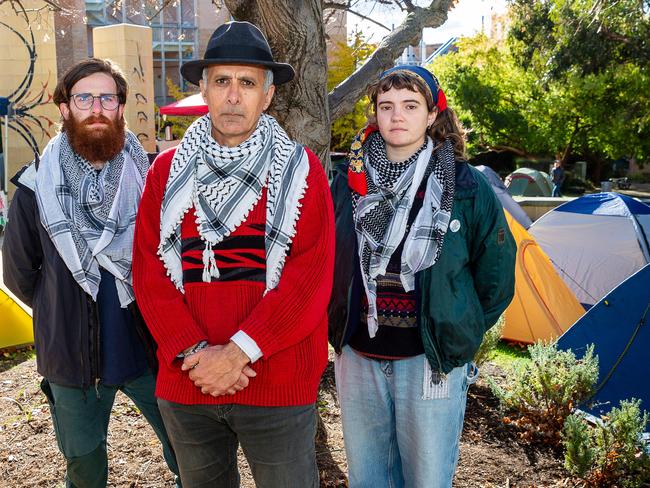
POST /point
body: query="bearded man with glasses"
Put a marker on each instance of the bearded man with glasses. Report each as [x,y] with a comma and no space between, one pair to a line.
[67,254]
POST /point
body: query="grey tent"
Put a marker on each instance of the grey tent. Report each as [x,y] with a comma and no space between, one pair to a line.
[529,182]
[504,197]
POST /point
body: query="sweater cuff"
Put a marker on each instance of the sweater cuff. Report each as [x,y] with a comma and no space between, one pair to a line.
[248,345]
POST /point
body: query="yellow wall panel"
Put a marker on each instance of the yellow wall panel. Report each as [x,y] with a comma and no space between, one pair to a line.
[28,74]
[130,47]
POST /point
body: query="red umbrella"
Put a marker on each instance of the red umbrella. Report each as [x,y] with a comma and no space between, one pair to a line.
[192,105]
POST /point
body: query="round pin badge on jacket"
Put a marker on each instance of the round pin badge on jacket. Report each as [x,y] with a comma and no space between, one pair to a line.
[454,225]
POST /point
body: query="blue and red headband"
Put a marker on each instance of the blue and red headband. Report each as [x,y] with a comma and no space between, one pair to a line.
[439,98]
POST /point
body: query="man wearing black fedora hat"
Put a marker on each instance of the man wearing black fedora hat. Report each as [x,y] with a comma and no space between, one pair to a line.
[232,268]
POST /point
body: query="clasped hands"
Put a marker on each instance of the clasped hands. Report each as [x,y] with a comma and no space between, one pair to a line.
[219,370]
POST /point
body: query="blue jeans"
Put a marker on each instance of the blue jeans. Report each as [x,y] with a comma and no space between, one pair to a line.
[278,442]
[401,423]
[81,417]
[556,190]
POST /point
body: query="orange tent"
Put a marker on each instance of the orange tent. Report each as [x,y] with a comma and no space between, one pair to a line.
[543,306]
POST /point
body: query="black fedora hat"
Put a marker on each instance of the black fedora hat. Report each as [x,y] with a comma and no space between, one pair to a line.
[237,43]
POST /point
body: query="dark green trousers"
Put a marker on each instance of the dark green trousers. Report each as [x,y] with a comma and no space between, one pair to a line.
[81,419]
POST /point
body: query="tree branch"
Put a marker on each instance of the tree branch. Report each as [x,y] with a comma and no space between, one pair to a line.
[614,36]
[409,5]
[162,6]
[55,6]
[339,6]
[569,147]
[343,97]
[514,150]
[20,10]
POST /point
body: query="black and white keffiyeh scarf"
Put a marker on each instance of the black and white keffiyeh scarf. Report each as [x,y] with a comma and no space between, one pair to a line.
[223,184]
[90,214]
[381,216]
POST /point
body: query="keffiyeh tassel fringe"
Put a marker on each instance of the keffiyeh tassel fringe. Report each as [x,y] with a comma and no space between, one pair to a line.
[210,269]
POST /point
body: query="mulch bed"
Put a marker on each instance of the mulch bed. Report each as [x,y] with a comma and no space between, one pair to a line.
[491,455]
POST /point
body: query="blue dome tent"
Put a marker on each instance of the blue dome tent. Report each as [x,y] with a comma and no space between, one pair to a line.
[595,242]
[618,327]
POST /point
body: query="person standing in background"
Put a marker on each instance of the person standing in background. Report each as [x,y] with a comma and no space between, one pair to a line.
[557,177]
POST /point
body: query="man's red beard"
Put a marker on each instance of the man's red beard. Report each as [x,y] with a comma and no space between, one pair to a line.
[96,144]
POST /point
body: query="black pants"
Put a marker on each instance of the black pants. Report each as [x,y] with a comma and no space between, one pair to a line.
[278,443]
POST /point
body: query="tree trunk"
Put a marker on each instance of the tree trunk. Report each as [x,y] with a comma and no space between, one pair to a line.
[569,148]
[595,166]
[296,34]
[598,171]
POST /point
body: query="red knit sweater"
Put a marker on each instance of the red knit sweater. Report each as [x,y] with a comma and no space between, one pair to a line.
[289,324]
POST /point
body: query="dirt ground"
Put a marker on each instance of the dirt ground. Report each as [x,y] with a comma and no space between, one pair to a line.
[490,455]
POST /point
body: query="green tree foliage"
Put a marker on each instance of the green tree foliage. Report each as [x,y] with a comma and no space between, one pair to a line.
[494,97]
[586,36]
[612,453]
[596,54]
[572,77]
[344,60]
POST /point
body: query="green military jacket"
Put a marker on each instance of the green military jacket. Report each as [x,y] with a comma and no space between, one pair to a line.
[461,296]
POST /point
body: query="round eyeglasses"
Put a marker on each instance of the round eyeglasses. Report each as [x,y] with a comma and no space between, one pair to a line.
[84,101]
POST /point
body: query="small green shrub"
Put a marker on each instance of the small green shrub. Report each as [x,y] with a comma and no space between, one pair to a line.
[612,453]
[579,454]
[541,393]
[490,342]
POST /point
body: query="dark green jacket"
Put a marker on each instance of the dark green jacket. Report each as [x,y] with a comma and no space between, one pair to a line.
[461,296]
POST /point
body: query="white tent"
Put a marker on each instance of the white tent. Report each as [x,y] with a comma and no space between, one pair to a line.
[595,242]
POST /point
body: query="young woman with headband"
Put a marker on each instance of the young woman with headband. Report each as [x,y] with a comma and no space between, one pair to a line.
[424,266]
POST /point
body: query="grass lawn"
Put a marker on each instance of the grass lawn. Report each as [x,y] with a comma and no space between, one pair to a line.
[506,355]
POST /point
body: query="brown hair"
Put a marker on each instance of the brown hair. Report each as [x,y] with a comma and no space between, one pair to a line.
[446,124]
[86,68]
